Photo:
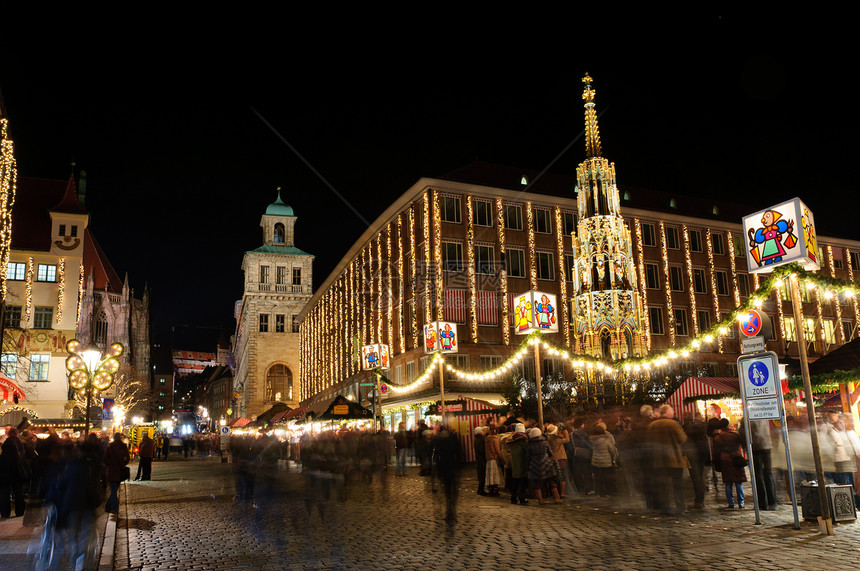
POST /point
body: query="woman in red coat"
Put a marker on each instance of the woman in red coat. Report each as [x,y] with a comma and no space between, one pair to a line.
[116,459]
[728,444]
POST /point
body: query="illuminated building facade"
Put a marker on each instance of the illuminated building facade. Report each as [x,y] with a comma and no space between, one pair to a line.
[266,343]
[661,268]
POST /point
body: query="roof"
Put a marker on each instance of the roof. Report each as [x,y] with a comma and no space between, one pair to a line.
[96,263]
[845,358]
[285,250]
[278,208]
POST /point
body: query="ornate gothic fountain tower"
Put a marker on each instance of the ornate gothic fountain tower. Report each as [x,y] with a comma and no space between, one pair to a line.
[607,307]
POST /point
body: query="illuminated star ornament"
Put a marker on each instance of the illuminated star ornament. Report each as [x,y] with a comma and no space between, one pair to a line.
[101,369]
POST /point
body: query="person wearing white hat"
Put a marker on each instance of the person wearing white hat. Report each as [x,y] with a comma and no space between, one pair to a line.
[516,446]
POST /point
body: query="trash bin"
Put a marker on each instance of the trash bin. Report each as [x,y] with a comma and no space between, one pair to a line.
[839,497]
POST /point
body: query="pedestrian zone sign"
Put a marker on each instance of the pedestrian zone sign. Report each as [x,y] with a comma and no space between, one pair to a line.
[760,387]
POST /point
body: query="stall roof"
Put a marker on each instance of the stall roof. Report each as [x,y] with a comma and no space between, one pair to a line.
[240,422]
[697,386]
[341,408]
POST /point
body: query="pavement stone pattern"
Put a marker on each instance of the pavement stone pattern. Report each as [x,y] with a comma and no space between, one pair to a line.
[187,518]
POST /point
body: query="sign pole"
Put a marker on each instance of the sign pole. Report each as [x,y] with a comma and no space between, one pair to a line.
[750,456]
[442,386]
[788,463]
[537,381]
[810,405]
[378,406]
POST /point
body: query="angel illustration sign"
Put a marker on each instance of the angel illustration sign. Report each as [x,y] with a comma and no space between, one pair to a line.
[535,310]
[440,336]
[779,235]
[374,356]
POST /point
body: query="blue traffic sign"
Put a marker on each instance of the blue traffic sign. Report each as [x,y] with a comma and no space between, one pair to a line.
[758,374]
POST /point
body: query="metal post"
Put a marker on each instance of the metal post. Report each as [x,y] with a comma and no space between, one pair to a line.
[378,407]
[750,456]
[442,386]
[89,397]
[788,464]
[536,341]
[810,405]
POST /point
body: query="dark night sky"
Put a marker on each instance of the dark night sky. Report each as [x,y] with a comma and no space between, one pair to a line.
[180,167]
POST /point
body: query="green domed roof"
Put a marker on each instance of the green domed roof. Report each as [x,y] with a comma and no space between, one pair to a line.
[278,208]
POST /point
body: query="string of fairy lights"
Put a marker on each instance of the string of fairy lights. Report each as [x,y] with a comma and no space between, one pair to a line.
[8,189]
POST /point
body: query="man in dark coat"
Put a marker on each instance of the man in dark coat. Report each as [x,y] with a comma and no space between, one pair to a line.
[698,452]
[447,458]
[116,459]
[481,458]
[147,452]
[13,473]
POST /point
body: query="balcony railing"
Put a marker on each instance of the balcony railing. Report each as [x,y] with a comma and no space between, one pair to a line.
[282,288]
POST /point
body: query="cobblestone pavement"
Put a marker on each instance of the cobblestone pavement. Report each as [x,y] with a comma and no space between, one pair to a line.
[187,518]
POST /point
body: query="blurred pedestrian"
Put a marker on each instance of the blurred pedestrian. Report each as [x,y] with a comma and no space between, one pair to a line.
[401,446]
[540,469]
[698,452]
[727,444]
[603,460]
[146,451]
[517,447]
[116,468]
[761,442]
[447,458]
[481,458]
[14,472]
[557,438]
[582,450]
[495,475]
[667,439]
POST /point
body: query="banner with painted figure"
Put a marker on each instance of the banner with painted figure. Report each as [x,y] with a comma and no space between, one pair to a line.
[780,235]
[374,356]
[535,310]
[440,336]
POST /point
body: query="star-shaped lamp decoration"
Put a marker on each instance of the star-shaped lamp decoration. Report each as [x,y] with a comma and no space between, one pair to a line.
[88,363]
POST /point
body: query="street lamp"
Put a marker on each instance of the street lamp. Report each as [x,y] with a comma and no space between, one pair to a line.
[90,370]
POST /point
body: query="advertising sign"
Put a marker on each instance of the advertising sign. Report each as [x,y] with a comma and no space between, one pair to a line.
[373,356]
[535,310]
[440,337]
[780,235]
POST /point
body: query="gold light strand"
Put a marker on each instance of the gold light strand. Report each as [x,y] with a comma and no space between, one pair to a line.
[778,297]
[532,254]
[400,283]
[413,279]
[711,271]
[668,288]
[850,267]
[437,250]
[80,295]
[835,299]
[29,292]
[61,288]
[559,245]
[503,273]
[735,290]
[643,285]
[755,282]
[353,317]
[390,292]
[377,271]
[8,189]
[819,311]
[428,258]
[473,288]
[689,260]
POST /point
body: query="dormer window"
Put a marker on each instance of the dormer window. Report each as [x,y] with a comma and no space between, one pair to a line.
[279,233]
[74,231]
[62,229]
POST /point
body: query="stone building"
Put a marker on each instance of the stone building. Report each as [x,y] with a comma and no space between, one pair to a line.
[457,248]
[278,282]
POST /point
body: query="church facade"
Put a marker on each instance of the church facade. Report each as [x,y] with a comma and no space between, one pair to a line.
[277,285]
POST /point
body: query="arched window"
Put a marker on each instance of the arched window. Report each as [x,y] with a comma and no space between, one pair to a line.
[279,233]
[279,384]
[100,327]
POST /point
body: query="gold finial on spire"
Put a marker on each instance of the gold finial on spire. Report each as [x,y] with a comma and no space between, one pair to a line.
[592,133]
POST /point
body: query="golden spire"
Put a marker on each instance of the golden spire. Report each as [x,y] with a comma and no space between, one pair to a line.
[592,133]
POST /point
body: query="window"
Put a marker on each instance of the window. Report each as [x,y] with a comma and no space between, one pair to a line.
[516,263]
[708,369]
[264,274]
[484,259]
[410,371]
[16,271]
[655,318]
[449,207]
[704,318]
[12,316]
[719,243]
[279,383]
[855,261]
[672,241]
[649,237]
[568,221]
[676,278]
[264,322]
[295,324]
[483,213]
[9,364]
[280,321]
[722,280]
[513,217]
[39,367]
[100,330]
[848,328]
[46,273]
[279,234]
[490,362]
[62,229]
[740,246]
[74,232]
[297,276]
[543,221]
[398,375]
[652,276]
[828,328]
[545,270]
[695,240]
[452,256]
[281,278]
[744,285]
[837,263]
[681,326]
[42,316]
[700,283]
[732,370]
[791,330]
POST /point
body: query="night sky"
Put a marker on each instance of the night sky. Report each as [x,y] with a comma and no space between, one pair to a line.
[180,165]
